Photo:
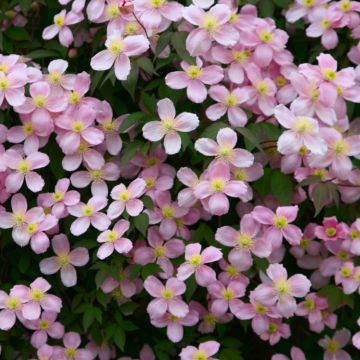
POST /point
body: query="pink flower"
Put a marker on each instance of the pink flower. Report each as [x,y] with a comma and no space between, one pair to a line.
[296,354]
[174,324]
[274,331]
[89,214]
[224,149]
[169,126]
[333,346]
[196,263]
[186,197]
[11,306]
[112,240]
[167,298]
[160,251]
[228,102]
[23,170]
[226,297]
[278,225]
[156,181]
[244,242]
[356,337]
[301,9]
[60,199]
[312,307]
[212,25]
[127,198]
[204,352]
[71,351]
[45,326]
[281,290]
[331,229]
[62,21]
[217,187]
[303,133]
[12,87]
[78,126]
[56,76]
[38,298]
[193,78]
[118,51]
[151,13]
[65,260]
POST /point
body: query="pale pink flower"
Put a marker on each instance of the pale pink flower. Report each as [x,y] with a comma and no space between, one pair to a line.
[195,262]
[160,251]
[295,352]
[174,324]
[113,240]
[11,306]
[151,13]
[62,21]
[186,197]
[60,199]
[217,187]
[205,351]
[303,133]
[111,11]
[356,337]
[38,298]
[213,25]
[169,126]
[156,181]
[312,307]
[331,229]
[71,351]
[278,225]
[12,87]
[118,51]
[281,290]
[167,297]
[87,214]
[228,103]
[303,9]
[245,242]
[23,169]
[224,149]
[65,260]
[127,198]
[334,346]
[56,76]
[193,78]
[78,127]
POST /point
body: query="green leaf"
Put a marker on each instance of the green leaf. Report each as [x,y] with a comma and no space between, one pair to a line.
[336,297]
[282,187]
[250,137]
[149,101]
[178,40]
[130,83]
[150,269]
[212,130]
[146,64]
[131,120]
[312,179]
[266,8]
[163,41]
[119,338]
[148,202]
[17,33]
[141,223]
[129,151]
[323,194]
[42,53]
[88,316]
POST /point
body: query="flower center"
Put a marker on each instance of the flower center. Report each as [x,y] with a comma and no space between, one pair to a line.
[303,125]
[325,23]
[112,236]
[117,294]
[168,211]
[36,294]
[156,3]
[193,71]
[54,77]
[280,81]
[340,147]
[32,228]
[282,287]
[167,294]
[59,20]
[200,355]
[332,346]
[28,128]
[330,231]
[83,147]
[309,304]
[57,196]
[116,46]
[95,174]
[209,22]
[265,36]
[4,68]
[273,328]
[131,28]
[245,241]
[345,5]
[88,210]
[70,352]
[230,100]
[217,184]
[159,251]
[354,234]
[240,174]
[210,319]
[168,124]
[260,309]
[149,182]
[4,83]
[228,294]
[232,271]
[74,97]
[304,243]
[39,101]
[63,259]
[225,151]
[124,195]
[240,56]
[342,255]
[195,260]
[262,87]
[321,173]
[43,324]
[77,126]
[308,3]
[346,271]
[108,125]
[112,10]
[23,166]
[12,303]
[280,222]
[329,74]
[18,218]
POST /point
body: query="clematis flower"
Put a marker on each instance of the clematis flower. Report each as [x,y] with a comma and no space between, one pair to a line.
[169,126]
[217,187]
[278,225]
[23,169]
[301,9]
[281,290]
[127,198]
[113,240]
[11,306]
[334,346]
[65,260]
[118,51]
[303,132]
[87,214]
[193,78]
[12,87]
[331,229]
[62,21]
[273,330]
[295,352]
[223,149]
[205,351]
[213,25]
[167,297]
[71,350]
[196,263]
[312,307]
